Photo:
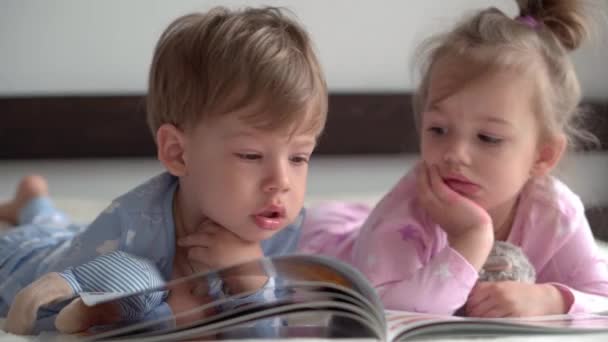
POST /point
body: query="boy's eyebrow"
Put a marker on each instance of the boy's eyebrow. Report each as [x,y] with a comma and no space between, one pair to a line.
[240,134]
[305,141]
[302,140]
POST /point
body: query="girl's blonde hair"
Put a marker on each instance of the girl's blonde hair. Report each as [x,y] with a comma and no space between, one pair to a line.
[539,41]
[209,64]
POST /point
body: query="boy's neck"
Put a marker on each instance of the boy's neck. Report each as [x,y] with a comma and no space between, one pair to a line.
[181,227]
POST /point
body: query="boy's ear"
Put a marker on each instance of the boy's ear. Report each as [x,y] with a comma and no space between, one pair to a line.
[549,154]
[170,144]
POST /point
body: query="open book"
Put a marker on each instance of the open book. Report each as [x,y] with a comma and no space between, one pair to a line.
[314,296]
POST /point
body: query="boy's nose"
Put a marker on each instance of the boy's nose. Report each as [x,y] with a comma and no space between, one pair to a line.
[278,180]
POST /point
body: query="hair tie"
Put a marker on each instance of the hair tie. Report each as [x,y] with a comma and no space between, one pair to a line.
[529,21]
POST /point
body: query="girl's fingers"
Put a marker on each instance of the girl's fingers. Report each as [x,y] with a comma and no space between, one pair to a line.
[443,192]
[425,192]
[478,309]
[495,312]
[477,295]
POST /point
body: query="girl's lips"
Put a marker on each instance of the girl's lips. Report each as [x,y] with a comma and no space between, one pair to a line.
[462,187]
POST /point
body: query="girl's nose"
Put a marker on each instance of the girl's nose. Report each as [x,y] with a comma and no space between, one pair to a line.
[457,152]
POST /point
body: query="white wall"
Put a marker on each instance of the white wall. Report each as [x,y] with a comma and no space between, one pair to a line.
[105,46]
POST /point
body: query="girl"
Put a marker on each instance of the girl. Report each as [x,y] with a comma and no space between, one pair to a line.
[495,110]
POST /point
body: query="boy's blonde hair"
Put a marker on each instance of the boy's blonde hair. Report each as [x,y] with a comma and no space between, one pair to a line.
[537,41]
[209,64]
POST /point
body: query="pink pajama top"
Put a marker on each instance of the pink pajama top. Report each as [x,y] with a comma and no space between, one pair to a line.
[408,260]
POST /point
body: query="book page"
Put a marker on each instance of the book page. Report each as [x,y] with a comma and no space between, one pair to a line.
[402,325]
[295,283]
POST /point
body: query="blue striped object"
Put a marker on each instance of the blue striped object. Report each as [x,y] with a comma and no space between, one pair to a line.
[120,272]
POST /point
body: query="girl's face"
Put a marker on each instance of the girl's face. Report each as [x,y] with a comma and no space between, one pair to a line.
[480,128]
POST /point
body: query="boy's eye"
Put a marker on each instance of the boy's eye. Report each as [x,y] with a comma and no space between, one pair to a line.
[437,130]
[299,159]
[489,139]
[249,156]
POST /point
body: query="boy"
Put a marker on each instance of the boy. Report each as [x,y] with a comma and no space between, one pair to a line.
[236,101]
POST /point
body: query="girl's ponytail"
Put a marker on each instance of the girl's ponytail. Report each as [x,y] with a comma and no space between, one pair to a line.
[566,19]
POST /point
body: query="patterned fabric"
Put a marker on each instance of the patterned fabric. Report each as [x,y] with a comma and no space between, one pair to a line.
[119,272]
[139,223]
[409,261]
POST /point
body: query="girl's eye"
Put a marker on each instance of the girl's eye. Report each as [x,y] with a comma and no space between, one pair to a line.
[437,130]
[299,159]
[249,156]
[489,139]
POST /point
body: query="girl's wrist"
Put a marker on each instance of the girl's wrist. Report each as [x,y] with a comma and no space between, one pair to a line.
[560,300]
[474,245]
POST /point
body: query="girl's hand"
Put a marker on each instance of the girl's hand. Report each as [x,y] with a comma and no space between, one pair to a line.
[514,299]
[467,225]
[22,315]
[456,214]
[213,247]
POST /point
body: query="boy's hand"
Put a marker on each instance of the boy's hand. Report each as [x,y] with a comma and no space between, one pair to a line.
[22,315]
[467,225]
[182,299]
[514,299]
[78,317]
[213,247]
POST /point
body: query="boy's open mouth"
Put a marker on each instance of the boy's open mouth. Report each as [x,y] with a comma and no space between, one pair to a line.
[271,214]
[271,218]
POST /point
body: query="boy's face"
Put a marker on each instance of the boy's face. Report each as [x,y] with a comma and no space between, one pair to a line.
[249,181]
[483,134]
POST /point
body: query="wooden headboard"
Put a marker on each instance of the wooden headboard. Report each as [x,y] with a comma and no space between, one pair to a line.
[114,126]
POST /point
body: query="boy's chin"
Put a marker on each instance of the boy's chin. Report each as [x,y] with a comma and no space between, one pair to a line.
[255,234]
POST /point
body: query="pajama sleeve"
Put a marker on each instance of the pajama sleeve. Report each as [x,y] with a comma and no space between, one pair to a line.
[412,272]
[577,268]
[105,234]
[121,273]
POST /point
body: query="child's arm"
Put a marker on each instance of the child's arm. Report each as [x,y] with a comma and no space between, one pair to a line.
[102,236]
[573,277]
[514,299]
[410,264]
[107,233]
[467,225]
[47,289]
[577,269]
[114,272]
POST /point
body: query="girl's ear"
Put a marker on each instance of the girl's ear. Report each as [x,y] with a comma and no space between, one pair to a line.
[170,145]
[549,154]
